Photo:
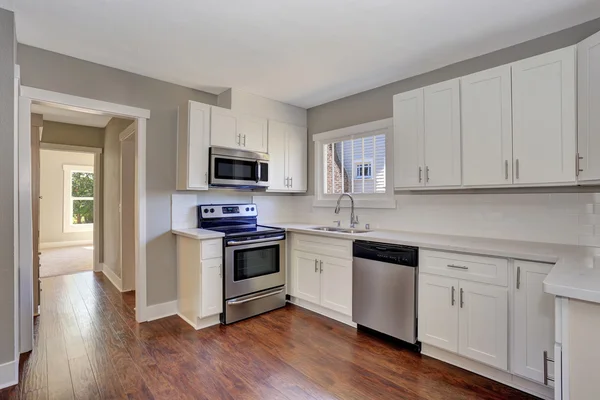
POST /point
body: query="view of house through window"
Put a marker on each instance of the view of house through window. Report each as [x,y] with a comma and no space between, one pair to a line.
[79,198]
[355,165]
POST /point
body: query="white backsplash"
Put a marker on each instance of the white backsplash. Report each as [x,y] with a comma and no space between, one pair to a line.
[566,218]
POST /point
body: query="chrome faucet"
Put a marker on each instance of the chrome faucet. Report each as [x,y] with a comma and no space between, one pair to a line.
[353,217]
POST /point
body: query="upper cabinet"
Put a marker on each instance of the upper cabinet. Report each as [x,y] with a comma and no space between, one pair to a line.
[487,127]
[544,127]
[427,137]
[588,76]
[238,131]
[287,157]
[192,146]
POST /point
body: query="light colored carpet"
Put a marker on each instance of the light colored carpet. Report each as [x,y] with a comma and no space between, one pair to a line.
[66,260]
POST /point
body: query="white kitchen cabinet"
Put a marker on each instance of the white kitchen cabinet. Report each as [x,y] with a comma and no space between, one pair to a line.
[306,276]
[588,106]
[336,284]
[442,134]
[533,320]
[487,127]
[483,323]
[212,287]
[287,157]
[193,140]
[438,311]
[544,126]
[409,160]
[238,131]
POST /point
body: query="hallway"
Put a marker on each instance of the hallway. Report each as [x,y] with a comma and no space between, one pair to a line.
[66,260]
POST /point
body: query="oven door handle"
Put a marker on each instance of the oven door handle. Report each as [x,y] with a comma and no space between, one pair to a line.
[243,300]
[241,242]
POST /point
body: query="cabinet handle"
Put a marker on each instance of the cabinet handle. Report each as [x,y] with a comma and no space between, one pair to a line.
[578,164]
[321,265]
[518,277]
[244,140]
[506,169]
[286,182]
[453,299]
[517,168]
[220,271]
[316,265]
[462,302]
[457,266]
[420,174]
[427,174]
[292,181]
[546,360]
[239,139]
[206,177]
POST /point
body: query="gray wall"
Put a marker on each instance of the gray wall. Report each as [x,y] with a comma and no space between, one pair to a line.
[56,72]
[376,104]
[7,131]
[74,135]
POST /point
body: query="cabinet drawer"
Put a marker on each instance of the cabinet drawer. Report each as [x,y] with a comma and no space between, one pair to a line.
[338,248]
[465,266]
[212,248]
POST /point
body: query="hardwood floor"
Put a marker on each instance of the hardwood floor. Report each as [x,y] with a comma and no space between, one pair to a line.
[88,346]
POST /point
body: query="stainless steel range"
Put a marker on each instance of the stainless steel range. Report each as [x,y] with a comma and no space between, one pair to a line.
[254,260]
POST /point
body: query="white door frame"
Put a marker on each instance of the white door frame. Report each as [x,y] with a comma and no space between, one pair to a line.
[22,164]
[128,134]
[96,151]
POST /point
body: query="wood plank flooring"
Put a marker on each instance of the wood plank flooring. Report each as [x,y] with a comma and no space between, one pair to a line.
[88,346]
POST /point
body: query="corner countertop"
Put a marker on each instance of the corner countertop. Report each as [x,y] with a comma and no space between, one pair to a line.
[573,274]
[199,234]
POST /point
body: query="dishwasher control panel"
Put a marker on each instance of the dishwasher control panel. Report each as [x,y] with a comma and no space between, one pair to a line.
[390,253]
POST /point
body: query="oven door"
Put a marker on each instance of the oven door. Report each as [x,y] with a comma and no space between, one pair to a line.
[238,168]
[254,265]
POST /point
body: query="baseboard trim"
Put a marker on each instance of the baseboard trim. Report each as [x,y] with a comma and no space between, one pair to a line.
[202,323]
[492,373]
[110,274]
[345,319]
[162,310]
[9,374]
[52,245]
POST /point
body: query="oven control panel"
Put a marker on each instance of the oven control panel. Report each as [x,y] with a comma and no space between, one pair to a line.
[228,210]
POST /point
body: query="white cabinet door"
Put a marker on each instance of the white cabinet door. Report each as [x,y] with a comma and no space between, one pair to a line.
[306,276]
[212,287]
[297,157]
[336,284]
[408,140]
[224,128]
[487,127]
[278,178]
[533,320]
[544,137]
[588,106]
[483,323]
[442,134]
[438,311]
[193,141]
[253,133]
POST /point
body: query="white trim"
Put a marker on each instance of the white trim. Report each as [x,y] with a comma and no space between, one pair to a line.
[202,323]
[68,147]
[127,132]
[566,348]
[68,226]
[9,374]
[112,277]
[354,130]
[345,319]
[83,104]
[497,375]
[98,197]
[140,218]
[16,188]
[161,310]
[70,243]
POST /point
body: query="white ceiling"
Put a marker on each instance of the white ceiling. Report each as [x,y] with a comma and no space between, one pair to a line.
[302,52]
[55,114]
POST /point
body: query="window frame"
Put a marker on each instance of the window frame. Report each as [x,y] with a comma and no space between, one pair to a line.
[362,164]
[361,200]
[68,226]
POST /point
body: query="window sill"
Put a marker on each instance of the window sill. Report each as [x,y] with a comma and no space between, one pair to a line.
[358,203]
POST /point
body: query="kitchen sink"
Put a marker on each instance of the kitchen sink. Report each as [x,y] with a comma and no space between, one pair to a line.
[340,230]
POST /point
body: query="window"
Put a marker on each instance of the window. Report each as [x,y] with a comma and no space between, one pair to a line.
[355,160]
[78,198]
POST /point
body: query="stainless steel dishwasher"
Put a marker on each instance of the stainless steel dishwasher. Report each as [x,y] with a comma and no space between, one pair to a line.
[384,288]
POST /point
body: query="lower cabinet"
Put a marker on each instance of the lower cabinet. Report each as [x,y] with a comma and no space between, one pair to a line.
[212,287]
[438,311]
[533,321]
[322,280]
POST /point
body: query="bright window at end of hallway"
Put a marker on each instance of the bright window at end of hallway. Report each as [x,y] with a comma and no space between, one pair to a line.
[78,214]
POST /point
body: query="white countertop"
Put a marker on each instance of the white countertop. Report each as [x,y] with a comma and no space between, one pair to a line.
[573,275]
[196,233]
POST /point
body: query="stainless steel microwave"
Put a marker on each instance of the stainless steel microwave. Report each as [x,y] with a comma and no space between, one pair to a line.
[238,168]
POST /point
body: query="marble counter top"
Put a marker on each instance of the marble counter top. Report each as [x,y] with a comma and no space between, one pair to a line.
[196,233]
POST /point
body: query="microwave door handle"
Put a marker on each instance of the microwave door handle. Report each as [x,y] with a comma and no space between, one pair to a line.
[257,171]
